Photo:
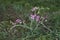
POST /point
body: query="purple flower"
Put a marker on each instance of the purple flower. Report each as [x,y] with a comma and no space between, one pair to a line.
[38,18]
[33,16]
[35,8]
[18,21]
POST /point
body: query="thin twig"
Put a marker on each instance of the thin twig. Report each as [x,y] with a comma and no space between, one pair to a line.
[46,27]
[12,27]
[24,26]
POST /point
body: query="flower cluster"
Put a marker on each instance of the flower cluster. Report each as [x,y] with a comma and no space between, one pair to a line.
[35,17]
[18,21]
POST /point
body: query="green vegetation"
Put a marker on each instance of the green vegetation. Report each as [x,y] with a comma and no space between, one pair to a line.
[47,28]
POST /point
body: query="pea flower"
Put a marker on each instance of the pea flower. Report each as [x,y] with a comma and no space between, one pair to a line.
[18,21]
[38,18]
[33,16]
[35,8]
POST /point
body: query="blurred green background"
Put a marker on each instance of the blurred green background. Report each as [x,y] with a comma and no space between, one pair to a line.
[12,9]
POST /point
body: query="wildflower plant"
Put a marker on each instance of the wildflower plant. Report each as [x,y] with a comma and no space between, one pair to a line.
[17,23]
[33,27]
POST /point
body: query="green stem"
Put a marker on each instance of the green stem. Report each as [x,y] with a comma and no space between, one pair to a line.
[31,23]
[36,27]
